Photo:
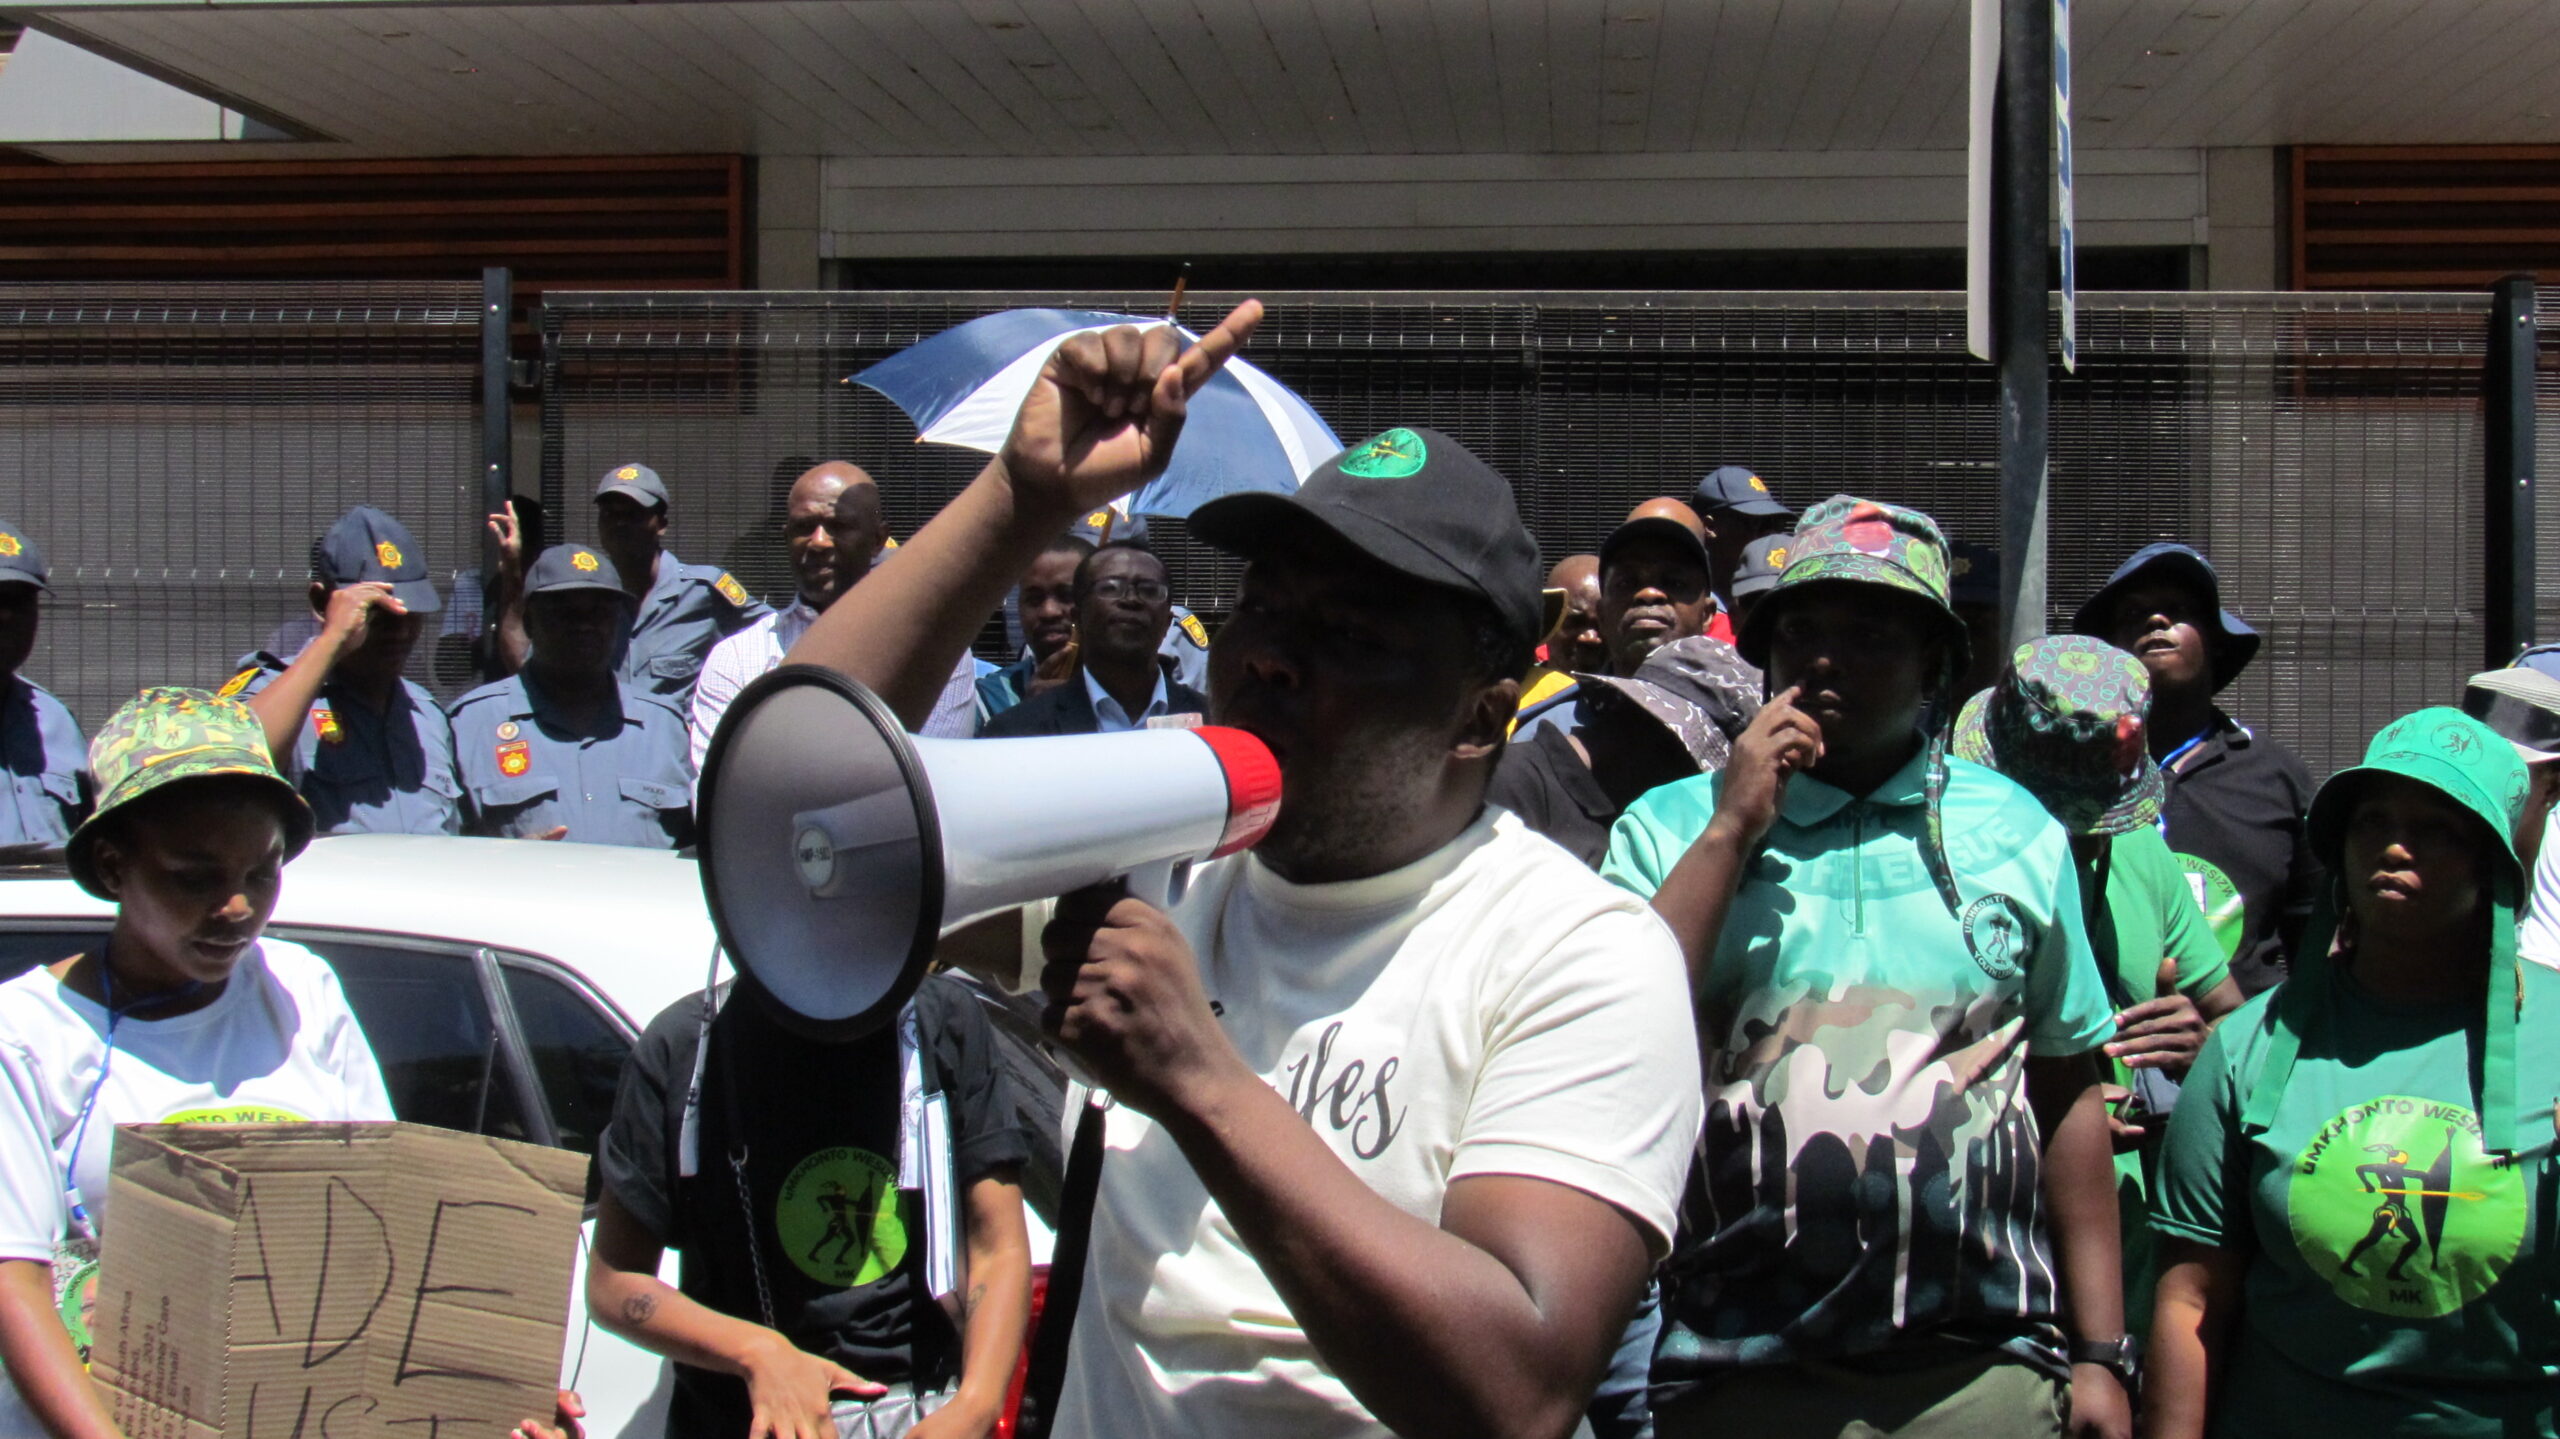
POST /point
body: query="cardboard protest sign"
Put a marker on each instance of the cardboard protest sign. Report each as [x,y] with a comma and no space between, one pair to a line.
[332,1281]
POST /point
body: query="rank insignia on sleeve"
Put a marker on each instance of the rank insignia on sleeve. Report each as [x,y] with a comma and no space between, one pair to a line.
[730,590]
[232,687]
[324,722]
[515,757]
[1198,632]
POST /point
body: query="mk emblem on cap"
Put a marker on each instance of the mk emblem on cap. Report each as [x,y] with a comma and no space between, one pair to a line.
[388,553]
[10,545]
[515,758]
[233,686]
[627,472]
[584,560]
[1390,456]
[730,590]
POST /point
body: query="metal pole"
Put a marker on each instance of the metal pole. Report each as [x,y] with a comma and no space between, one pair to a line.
[2021,239]
[2507,519]
[497,406]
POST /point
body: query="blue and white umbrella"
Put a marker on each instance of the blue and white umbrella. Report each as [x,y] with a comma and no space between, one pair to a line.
[1245,431]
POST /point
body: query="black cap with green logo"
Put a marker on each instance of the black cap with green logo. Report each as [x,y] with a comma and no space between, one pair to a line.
[1415,501]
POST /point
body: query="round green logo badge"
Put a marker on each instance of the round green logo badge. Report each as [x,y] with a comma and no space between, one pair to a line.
[2219,898]
[1390,456]
[2394,1203]
[1998,935]
[839,1217]
[236,1114]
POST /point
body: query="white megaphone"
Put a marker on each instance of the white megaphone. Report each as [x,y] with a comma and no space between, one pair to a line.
[836,848]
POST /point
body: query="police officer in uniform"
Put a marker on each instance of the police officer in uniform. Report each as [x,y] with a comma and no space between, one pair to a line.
[565,748]
[684,609]
[371,752]
[46,755]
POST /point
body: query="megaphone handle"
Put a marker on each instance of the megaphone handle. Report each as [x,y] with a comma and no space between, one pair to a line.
[1153,883]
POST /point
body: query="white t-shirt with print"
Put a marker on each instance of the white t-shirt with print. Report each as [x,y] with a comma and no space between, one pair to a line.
[1494,1008]
[279,1044]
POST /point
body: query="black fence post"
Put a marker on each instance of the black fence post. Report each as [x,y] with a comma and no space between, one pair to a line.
[2021,238]
[2507,401]
[497,403]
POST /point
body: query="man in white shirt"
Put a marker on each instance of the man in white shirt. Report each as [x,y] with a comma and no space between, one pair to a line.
[1410,1172]
[832,524]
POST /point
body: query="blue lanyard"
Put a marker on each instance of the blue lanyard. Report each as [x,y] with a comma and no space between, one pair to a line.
[2169,761]
[81,1223]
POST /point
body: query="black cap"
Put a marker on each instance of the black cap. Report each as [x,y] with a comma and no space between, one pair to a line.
[1661,527]
[1415,501]
[1731,487]
[21,559]
[563,568]
[367,546]
[634,482]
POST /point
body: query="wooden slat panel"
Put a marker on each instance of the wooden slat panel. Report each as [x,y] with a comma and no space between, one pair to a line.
[2423,217]
[614,222]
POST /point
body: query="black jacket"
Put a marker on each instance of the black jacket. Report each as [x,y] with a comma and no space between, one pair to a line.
[1067,709]
[2237,802]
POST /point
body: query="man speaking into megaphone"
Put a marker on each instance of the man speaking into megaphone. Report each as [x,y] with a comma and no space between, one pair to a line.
[1410,1170]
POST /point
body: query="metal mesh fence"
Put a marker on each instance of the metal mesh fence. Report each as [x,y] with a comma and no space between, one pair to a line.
[176,448]
[2324,449]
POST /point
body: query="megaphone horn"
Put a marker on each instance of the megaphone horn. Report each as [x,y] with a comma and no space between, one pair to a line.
[836,848]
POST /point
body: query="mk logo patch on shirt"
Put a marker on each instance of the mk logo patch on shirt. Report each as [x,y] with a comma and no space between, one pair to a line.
[2395,1203]
[515,757]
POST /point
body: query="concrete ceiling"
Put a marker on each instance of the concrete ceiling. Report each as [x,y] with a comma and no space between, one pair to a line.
[1173,78]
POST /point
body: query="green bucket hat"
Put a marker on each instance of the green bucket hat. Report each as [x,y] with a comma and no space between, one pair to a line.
[1853,541]
[164,735]
[2066,721]
[2466,761]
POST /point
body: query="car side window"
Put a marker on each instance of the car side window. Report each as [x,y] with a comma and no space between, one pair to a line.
[428,1021]
[577,1053]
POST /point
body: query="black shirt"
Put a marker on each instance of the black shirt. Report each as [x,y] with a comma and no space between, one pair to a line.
[1542,780]
[838,1242]
[2236,802]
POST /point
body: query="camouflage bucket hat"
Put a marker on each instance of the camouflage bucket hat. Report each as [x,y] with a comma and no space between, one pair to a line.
[1847,540]
[2450,751]
[2067,721]
[164,735]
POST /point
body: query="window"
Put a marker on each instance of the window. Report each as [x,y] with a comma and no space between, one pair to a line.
[429,1023]
[577,1054]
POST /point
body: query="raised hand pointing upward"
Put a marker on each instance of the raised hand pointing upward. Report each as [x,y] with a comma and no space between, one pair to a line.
[1104,415]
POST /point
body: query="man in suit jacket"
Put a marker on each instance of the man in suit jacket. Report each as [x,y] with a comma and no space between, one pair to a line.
[1123,606]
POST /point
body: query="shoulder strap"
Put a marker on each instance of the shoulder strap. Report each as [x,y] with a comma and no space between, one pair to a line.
[1047,1375]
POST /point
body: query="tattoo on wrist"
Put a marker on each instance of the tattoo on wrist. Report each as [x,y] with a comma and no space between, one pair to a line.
[639,1308]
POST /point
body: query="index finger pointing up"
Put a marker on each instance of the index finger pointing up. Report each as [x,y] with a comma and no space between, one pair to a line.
[1218,346]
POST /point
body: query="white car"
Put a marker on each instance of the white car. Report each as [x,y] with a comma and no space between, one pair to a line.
[501,984]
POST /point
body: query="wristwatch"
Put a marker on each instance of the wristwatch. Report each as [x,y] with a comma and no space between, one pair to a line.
[2119,1356]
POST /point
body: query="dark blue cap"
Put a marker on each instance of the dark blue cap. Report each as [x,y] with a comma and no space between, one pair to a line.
[1762,561]
[636,482]
[367,546]
[2233,643]
[21,559]
[563,568]
[1102,526]
[1973,574]
[1731,487]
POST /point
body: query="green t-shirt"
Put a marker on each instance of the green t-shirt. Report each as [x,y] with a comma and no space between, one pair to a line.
[2151,915]
[1870,1168]
[2398,1283]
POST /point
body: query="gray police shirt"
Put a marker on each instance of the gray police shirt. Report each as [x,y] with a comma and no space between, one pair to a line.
[688,610]
[525,772]
[367,771]
[48,763]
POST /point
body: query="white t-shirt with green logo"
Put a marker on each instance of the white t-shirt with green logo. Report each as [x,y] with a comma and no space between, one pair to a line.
[1493,1008]
[2398,1281]
[278,1045]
